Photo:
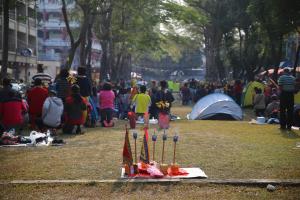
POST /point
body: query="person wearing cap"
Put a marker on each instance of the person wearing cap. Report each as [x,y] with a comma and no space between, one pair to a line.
[52,111]
[45,77]
[36,97]
[286,84]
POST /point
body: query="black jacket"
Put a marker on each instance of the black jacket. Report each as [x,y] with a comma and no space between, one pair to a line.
[85,86]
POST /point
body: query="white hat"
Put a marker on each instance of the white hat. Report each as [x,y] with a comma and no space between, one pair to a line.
[260,120]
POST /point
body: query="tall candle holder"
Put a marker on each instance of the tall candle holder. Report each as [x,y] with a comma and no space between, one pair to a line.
[174,166]
[135,166]
[164,167]
[154,138]
[175,140]
[134,134]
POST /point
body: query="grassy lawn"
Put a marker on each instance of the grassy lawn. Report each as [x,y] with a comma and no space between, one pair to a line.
[223,149]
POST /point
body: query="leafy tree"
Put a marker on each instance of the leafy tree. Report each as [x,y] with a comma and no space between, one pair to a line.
[5,39]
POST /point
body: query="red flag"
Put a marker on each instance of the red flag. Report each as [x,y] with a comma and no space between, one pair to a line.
[127,155]
[144,157]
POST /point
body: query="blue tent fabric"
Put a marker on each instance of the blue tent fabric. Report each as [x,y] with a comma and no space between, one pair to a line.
[94,113]
[216,106]
[285,63]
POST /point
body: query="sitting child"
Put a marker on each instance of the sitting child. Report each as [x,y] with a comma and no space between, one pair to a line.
[272,110]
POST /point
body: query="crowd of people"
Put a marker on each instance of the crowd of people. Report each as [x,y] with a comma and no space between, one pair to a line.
[70,102]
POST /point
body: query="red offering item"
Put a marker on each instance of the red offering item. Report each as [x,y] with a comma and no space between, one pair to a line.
[163,120]
[180,172]
[154,172]
[132,120]
[146,120]
[143,168]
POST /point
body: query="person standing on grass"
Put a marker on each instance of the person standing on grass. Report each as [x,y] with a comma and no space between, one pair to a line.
[106,99]
[63,87]
[85,86]
[237,91]
[185,94]
[36,98]
[142,102]
[286,84]
[152,92]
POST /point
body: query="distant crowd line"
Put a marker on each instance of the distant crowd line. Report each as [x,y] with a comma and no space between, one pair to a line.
[70,102]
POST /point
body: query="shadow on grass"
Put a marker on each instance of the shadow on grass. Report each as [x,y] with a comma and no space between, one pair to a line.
[118,187]
[134,187]
[289,134]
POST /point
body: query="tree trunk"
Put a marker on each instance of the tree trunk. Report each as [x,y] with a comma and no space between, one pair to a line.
[211,50]
[106,44]
[296,59]
[83,29]
[82,51]
[5,39]
[88,50]
[104,61]
[116,68]
[276,54]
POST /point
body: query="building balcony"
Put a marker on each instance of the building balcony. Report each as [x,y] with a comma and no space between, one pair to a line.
[49,57]
[57,24]
[49,6]
[14,57]
[56,43]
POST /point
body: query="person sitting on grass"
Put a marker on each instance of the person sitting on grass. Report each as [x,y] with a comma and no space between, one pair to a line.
[106,99]
[52,112]
[75,105]
[259,103]
[272,110]
[142,102]
[36,97]
[11,110]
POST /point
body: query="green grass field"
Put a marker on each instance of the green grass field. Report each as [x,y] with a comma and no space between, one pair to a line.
[223,149]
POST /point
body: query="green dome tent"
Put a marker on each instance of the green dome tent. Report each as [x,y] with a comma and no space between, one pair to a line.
[297,98]
[248,92]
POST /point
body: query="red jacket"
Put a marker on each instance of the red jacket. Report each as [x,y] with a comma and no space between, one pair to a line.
[35,98]
[11,112]
[74,111]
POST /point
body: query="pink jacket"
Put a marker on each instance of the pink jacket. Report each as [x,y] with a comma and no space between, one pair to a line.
[106,99]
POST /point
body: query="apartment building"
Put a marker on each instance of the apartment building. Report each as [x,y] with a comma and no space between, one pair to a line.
[22,55]
[53,39]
